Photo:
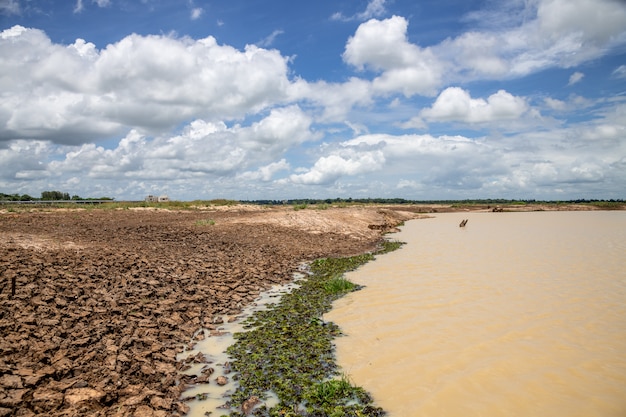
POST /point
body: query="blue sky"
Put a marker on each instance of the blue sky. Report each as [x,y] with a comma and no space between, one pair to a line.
[282,99]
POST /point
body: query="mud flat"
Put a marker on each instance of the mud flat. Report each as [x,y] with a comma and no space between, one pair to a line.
[95,305]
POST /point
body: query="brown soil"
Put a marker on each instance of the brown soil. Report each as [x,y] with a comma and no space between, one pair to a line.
[104,300]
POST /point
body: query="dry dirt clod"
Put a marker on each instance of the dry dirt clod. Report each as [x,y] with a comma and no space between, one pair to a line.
[104,300]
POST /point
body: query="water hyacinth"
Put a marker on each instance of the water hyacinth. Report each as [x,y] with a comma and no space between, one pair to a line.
[288,349]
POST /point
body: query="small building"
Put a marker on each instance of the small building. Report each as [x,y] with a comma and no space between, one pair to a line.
[154,199]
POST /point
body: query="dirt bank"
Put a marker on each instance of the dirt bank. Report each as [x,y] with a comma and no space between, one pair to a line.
[105,299]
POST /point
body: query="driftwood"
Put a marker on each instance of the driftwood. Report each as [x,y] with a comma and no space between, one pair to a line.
[463,223]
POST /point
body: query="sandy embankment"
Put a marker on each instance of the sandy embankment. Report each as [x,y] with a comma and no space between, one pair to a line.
[104,300]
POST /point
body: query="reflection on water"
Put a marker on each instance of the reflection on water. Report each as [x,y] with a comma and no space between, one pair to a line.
[517,314]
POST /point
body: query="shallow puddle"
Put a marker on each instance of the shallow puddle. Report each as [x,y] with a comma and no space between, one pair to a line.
[211,397]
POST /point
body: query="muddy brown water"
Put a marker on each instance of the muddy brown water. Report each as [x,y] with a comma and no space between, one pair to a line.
[517,314]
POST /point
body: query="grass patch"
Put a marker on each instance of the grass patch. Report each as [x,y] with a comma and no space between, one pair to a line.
[297,207]
[338,398]
[288,349]
[390,246]
[339,285]
[205,222]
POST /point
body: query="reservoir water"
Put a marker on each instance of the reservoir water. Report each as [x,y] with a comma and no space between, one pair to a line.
[516,314]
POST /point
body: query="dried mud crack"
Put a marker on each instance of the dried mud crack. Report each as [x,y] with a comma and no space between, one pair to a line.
[104,299]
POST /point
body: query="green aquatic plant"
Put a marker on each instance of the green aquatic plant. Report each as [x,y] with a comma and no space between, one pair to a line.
[288,350]
[338,397]
[390,246]
[338,285]
[329,392]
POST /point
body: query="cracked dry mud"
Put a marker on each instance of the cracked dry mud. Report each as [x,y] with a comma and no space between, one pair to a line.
[105,299]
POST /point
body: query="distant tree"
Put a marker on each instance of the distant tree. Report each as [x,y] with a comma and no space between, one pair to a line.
[54,195]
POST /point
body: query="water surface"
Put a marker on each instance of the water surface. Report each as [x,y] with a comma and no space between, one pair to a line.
[517,314]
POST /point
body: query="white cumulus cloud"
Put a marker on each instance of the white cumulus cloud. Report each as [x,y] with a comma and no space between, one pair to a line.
[456,104]
[76,93]
[552,33]
[382,46]
[346,163]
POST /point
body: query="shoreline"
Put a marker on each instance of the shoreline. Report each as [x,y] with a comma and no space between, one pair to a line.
[105,299]
[489,307]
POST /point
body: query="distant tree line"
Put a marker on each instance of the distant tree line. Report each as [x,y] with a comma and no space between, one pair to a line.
[488,201]
[56,195]
[16,197]
[47,196]
[62,196]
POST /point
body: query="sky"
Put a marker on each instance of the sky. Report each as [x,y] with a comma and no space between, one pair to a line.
[283,99]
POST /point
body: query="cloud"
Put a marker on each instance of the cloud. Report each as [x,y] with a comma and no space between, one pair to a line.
[268,41]
[329,168]
[266,173]
[445,161]
[555,104]
[214,148]
[203,149]
[77,93]
[335,99]
[23,160]
[79,6]
[541,34]
[584,160]
[572,103]
[10,7]
[548,33]
[525,164]
[383,46]
[591,21]
[619,72]
[456,105]
[196,13]
[195,116]
[375,8]
[575,78]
